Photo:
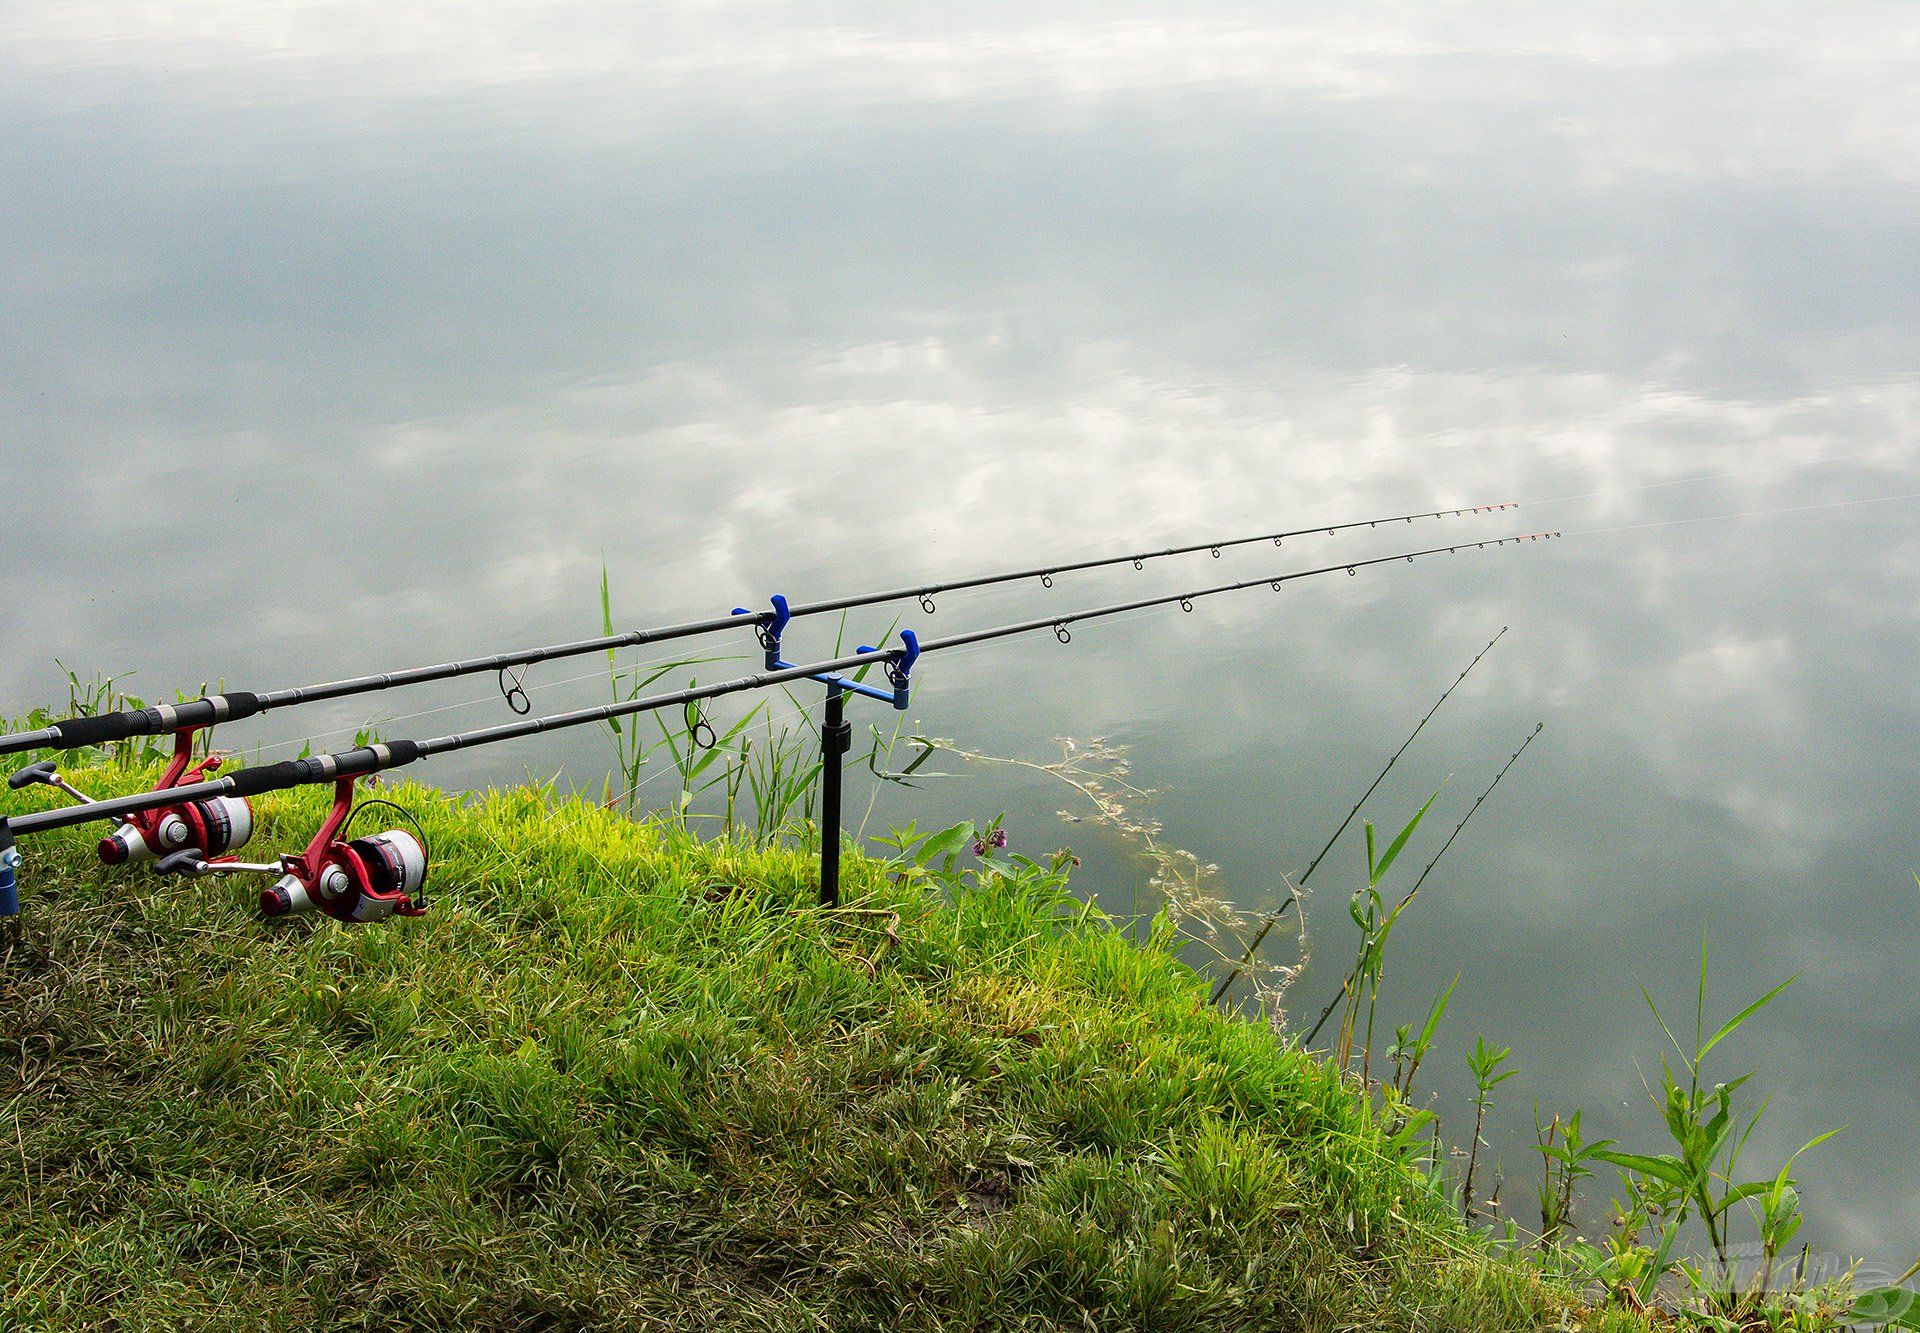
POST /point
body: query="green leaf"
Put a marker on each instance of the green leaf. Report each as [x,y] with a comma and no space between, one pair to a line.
[1650,1280]
[732,733]
[1669,1169]
[1439,1008]
[1811,1143]
[1746,1191]
[1680,1050]
[1732,1025]
[944,843]
[1379,872]
[1887,1307]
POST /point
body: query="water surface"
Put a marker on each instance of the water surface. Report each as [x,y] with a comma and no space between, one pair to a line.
[333,339]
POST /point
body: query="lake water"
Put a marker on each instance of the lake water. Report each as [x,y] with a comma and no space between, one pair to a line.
[335,338]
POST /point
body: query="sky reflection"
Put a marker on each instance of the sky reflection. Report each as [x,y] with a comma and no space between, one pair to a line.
[439,311]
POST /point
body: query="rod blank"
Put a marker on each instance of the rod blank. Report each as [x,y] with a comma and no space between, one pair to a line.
[395,754]
[75,732]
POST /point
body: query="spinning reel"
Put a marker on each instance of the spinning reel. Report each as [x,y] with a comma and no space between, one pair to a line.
[350,879]
[211,826]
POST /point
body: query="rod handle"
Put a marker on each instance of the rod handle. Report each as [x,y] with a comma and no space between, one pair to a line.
[322,768]
[74,733]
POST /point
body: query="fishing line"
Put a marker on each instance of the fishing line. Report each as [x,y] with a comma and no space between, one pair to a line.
[1346,986]
[80,731]
[373,724]
[1273,917]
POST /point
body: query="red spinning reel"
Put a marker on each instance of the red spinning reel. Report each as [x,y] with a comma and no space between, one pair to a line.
[362,879]
[210,827]
[353,880]
[349,879]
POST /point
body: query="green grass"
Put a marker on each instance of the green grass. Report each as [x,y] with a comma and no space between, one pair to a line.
[620,1078]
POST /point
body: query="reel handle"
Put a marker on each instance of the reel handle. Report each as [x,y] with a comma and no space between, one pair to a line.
[187,861]
[45,771]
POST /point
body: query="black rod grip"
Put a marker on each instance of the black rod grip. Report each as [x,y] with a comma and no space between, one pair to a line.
[322,768]
[271,777]
[76,732]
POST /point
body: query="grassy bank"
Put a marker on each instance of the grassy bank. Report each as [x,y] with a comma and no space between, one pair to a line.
[623,1078]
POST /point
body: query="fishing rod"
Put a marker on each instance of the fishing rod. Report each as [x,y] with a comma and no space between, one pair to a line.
[1512,759]
[220,826]
[1273,918]
[370,879]
[234,705]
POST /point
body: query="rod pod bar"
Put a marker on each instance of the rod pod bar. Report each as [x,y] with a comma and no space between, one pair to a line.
[231,706]
[396,754]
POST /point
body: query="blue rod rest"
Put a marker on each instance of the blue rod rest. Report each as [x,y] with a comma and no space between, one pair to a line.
[899,674]
[770,633]
[9,861]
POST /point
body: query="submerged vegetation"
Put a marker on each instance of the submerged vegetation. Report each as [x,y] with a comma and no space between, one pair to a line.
[629,1073]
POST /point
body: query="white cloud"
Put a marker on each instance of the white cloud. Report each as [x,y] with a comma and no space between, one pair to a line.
[1717,90]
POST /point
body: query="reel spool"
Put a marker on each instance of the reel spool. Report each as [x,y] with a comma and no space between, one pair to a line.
[214,827]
